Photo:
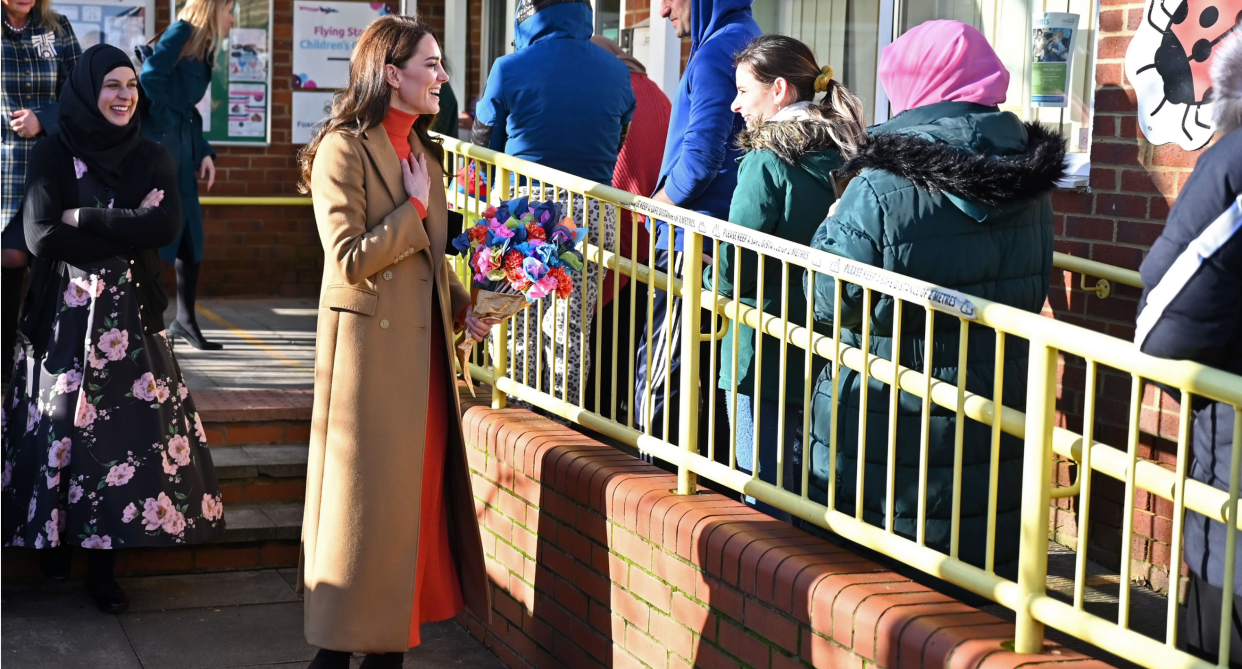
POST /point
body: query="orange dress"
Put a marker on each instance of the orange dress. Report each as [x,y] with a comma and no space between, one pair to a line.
[437,590]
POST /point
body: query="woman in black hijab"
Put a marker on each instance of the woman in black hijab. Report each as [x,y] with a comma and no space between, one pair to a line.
[103,448]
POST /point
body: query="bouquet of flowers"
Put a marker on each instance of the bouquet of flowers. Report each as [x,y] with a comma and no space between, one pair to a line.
[519,252]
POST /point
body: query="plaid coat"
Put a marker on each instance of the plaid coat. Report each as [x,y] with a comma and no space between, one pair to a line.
[36,62]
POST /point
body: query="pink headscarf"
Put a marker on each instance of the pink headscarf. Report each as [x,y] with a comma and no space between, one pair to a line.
[939,61]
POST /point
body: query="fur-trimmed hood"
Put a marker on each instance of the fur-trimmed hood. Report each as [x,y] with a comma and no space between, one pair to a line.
[791,140]
[975,177]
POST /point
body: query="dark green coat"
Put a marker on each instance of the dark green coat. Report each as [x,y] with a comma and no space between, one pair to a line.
[955,194]
[784,188]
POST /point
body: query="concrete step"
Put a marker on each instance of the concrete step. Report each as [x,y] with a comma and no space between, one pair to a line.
[266,521]
[247,462]
[256,535]
[254,417]
[261,473]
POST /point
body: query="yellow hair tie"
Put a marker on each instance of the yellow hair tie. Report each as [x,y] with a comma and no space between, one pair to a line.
[822,81]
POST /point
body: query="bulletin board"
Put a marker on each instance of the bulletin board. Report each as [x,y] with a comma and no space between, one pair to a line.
[237,108]
[122,23]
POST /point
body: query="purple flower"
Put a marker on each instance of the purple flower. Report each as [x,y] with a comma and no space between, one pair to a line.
[534,269]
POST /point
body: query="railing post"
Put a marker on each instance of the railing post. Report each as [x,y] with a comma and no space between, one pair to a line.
[691,297]
[500,333]
[1036,493]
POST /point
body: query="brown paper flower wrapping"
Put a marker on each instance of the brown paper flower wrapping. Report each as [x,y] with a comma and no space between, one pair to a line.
[488,304]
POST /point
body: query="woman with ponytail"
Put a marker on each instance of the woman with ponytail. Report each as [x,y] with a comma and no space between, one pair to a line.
[784,188]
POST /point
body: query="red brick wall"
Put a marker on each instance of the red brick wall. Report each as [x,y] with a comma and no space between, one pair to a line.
[1133,185]
[594,562]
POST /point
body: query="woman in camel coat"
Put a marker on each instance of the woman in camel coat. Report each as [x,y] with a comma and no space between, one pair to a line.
[388,497]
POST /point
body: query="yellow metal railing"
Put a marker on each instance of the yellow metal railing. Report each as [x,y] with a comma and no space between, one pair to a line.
[505,364]
[1104,272]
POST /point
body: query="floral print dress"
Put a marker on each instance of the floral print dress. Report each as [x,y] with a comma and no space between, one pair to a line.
[102,445]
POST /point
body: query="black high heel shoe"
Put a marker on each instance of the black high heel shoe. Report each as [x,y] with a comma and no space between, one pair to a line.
[194,337]
[383,661]
[330,659]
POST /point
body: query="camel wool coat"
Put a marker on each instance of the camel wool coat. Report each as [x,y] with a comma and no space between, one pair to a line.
[364,476]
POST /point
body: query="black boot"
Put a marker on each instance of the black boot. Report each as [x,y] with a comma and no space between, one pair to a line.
[330,659]
[55,562]
[11,282]
[383,661]
[101,582]
[186,325]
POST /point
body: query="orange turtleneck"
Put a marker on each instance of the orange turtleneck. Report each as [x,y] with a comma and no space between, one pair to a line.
[398,125]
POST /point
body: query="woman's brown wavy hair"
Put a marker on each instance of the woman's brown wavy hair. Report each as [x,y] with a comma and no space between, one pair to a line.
[389,40]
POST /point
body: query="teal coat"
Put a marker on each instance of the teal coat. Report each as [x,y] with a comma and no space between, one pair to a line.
[173,85]
[955,194]
[784,188]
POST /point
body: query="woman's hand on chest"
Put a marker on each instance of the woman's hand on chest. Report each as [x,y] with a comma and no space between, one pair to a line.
[415,178]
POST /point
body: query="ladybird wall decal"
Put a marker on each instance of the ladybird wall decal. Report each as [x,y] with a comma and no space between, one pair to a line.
[1168,63]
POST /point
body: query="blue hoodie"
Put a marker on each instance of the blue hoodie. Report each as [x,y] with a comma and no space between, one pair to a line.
[558,100]
[701,157]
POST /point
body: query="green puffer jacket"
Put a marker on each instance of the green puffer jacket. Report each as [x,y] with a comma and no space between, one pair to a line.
[784,188]
[955,194]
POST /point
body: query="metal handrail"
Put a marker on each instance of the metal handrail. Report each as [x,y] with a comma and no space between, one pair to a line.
[1048,339]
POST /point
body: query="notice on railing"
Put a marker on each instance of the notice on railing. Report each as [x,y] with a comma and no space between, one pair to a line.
[886,281]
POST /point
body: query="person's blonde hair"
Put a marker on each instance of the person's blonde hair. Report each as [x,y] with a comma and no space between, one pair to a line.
[204,16]
[49,17]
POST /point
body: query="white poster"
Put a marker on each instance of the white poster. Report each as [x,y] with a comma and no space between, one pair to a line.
[248,54]
[247,110]
[121,23]
[309,109]
[1169,61]
[1052,62]
[324,34]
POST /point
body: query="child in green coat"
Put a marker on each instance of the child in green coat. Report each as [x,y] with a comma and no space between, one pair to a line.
[784,188]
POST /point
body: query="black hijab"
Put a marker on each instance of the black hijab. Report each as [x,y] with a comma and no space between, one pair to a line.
[95,140]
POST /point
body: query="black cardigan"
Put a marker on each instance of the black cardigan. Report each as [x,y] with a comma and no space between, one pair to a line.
[126,231]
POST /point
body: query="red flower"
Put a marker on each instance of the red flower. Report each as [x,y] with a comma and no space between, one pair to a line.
[513,260]
[513,270]
[564,284]
[478,234]
[534,231]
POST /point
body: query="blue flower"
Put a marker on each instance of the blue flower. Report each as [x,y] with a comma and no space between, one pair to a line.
[462,243]
[534,269]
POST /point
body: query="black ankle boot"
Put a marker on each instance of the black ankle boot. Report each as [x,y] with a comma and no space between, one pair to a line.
[330,659]
[383,661]
[101,582]
[55,562]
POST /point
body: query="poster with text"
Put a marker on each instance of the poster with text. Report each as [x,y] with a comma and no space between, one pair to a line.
[121,23]
[248,54]
[324,34]
[247,110]
[310,109]
[1052,42]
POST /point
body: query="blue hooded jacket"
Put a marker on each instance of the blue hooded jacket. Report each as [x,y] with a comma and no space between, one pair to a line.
[558,100]
[701,156]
